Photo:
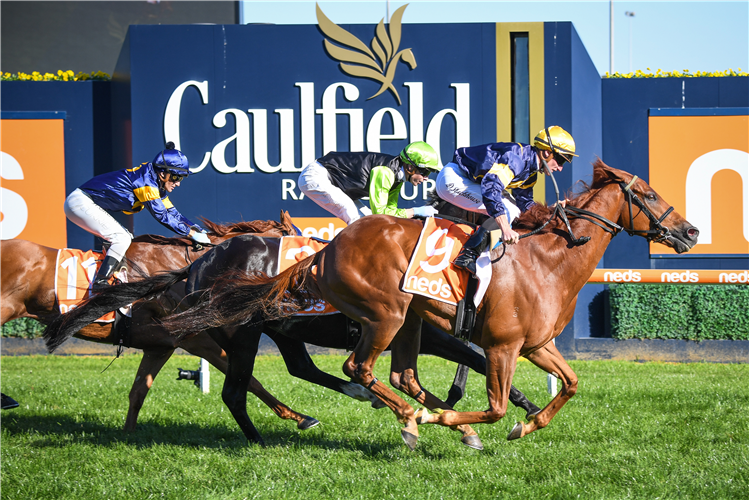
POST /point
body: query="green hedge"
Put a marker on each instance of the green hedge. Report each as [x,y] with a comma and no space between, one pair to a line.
[26,328]
[690,312]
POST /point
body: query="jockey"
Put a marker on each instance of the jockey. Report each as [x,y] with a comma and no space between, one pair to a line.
[337,180]
[128,191]
[478,176]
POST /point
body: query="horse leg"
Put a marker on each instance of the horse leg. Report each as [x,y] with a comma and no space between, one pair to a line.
[300,365]
[438,343]
[549,359]
[404,375]
[243,342]
[153,361]
[501,362]
[203,346]
[376,337]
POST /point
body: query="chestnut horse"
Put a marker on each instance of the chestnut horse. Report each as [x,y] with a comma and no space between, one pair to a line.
[529,301]
[27,271]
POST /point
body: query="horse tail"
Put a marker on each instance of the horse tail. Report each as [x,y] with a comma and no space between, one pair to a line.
[110,299]
[237,298]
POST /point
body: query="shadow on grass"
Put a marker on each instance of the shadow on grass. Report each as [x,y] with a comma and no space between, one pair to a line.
[63,431]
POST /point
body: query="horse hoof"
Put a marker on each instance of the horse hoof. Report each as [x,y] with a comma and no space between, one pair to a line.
[409,439]
[473,442]
[516,432]
[307,423]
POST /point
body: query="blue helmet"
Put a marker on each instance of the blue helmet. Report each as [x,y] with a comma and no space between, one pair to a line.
[172,160]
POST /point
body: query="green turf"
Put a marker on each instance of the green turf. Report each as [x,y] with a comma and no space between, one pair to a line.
[633,431]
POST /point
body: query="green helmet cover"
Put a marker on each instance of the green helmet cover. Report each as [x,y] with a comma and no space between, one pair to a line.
[421,155]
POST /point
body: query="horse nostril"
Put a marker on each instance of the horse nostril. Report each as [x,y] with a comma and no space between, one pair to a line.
[693,232]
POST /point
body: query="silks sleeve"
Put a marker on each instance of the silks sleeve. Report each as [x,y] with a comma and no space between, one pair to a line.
[384,193]
[164,212]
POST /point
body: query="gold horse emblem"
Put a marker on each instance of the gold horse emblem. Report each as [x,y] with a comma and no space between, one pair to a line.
[380,63]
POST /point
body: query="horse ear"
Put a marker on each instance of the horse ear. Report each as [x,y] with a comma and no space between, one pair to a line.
[617,175]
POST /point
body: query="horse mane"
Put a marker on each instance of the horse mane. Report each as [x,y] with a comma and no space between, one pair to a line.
[538,214]
[284,227]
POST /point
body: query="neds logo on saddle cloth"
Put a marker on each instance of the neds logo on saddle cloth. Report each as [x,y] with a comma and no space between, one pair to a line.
[430,272]
[294,249]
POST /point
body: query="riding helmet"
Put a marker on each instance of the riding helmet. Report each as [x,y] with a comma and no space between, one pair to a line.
[421,155]
[172,160]
[561,141]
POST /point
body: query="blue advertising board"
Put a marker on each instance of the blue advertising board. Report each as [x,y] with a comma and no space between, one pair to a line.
[250,106]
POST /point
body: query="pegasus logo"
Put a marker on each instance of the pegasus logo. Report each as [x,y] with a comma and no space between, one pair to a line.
[365,64]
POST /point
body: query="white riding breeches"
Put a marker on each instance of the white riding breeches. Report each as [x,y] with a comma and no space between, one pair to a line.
[455,187]
[315,183]
[82,211]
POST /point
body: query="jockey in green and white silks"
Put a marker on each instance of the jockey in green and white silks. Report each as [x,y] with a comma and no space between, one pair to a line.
[129,191]
[338,179]
[478,177]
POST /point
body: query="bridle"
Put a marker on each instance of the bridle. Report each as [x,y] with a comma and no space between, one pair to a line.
[656,235]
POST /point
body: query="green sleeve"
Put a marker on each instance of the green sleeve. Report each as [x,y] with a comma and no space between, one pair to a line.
[384,193]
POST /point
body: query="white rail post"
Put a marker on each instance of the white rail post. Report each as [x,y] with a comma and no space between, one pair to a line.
[205,376]
[551,381]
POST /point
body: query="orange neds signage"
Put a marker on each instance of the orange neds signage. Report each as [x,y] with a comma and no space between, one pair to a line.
[33,181]
[682,277]
[699,161]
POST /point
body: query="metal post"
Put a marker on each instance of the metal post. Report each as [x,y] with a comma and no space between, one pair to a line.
[611,37]
[205,376]
[630,15]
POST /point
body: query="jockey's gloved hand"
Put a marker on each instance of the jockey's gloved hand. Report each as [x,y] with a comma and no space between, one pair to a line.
[198,229]
[425,211]
[200,238]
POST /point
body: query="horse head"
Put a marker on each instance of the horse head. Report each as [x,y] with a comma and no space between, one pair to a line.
[645,213]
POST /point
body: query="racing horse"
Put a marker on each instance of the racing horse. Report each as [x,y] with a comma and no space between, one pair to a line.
[529,300]
[27,271]
[249,254]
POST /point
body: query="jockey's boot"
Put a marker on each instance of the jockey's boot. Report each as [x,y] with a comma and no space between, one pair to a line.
[471,250]
[8,402]
[105,272]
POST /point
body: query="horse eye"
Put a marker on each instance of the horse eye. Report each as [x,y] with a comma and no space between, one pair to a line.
[652,197]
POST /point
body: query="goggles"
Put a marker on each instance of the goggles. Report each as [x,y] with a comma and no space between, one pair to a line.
[176,178]
[561,159]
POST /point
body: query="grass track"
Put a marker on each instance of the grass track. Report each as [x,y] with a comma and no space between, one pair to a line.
[632,431]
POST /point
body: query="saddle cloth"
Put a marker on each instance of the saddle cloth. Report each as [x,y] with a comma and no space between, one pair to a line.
[431,273]
[74,272]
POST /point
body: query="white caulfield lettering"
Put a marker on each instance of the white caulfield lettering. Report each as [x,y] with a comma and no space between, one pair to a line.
[413,130]
[462,115]
[171,116]
[698,191]
[260,140]
[241,136]
[330,112]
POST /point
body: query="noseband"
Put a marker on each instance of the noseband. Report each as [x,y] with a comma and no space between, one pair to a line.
[656,235]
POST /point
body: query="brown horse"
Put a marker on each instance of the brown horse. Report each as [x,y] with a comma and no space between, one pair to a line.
[28,271]
[529,301]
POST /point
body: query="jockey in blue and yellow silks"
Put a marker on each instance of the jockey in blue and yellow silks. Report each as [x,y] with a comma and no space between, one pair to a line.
[129,191]
[478,177]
